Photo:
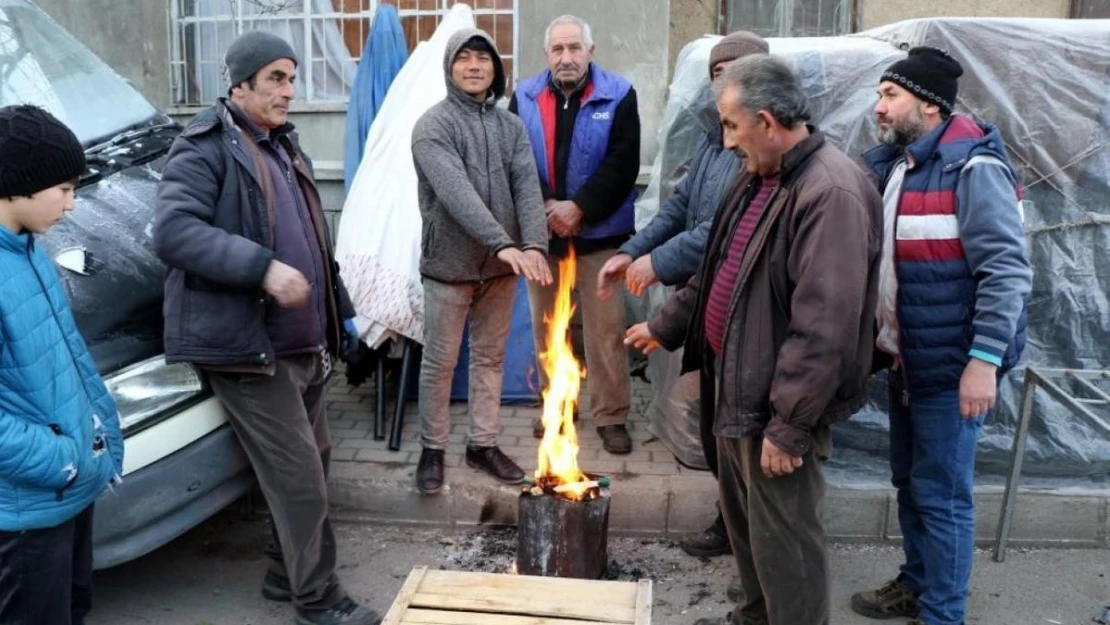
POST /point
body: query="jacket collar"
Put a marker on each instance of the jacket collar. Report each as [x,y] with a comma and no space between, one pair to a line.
[951,142]
[220,116]
[792,161]
[15,242]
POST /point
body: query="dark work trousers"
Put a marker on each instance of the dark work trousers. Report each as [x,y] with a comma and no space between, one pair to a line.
[46,574]
[776,526]
[281,424]
[709,443]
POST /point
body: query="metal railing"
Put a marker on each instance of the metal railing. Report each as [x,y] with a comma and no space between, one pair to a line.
[1047,379]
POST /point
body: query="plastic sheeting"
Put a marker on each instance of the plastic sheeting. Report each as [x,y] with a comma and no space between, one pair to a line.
[1046,84]
[378,247]
[385,53]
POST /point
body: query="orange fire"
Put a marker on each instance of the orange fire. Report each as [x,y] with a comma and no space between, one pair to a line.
[558,454]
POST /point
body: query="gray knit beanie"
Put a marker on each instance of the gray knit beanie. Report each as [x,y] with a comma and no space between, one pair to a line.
[252,51]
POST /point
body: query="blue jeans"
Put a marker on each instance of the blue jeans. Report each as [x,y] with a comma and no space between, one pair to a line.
[932,459]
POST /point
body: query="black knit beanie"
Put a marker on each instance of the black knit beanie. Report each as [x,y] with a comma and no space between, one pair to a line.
[930,74]
[37,151]
[252,51]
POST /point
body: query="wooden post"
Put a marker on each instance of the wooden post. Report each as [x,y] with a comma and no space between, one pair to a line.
[557,537]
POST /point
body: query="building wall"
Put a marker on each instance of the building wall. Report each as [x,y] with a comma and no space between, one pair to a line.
[130,36]
[879,12]
[690,19]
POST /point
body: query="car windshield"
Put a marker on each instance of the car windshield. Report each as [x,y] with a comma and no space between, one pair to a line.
[41,63]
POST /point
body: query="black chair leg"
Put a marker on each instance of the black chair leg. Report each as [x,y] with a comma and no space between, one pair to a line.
[379,412]
[402,384]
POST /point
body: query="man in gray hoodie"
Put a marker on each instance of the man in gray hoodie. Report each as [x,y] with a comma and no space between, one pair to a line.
[484,225]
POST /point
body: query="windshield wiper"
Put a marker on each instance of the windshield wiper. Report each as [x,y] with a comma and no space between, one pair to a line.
[129,135]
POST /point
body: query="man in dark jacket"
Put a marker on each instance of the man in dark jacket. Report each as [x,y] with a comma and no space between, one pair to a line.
[953,285]
[253,297]
[584,127]
[483,225]
[779,320]
[670,248]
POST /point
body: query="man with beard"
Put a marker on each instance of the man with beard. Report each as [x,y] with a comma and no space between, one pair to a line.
[953,283]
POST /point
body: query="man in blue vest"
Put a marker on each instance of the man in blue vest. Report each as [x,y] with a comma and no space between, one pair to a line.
[953,282]
[584,128]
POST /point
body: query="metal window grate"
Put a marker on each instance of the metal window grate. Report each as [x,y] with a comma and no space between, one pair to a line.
[328,36]
[791,18]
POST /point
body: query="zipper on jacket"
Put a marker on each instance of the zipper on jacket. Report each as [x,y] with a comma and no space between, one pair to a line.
[489,185]
[897,286]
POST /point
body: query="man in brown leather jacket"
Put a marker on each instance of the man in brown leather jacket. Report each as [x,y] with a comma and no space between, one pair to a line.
[780,323]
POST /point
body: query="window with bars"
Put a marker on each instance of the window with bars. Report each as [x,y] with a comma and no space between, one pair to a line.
[327,35]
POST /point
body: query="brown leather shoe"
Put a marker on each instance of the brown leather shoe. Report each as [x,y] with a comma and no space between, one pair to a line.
[893,600]
[615,439]
[494,461]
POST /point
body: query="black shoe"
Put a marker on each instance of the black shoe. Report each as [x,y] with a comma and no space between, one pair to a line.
[735,590]
[276,588]
[537,426]
[615,439]
[494,461]
[429,471]
[708,543]
[347,612]
[893,600]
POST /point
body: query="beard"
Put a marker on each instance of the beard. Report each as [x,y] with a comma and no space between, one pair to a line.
[902,132]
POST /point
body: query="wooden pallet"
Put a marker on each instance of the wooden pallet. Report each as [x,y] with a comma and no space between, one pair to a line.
[459,598]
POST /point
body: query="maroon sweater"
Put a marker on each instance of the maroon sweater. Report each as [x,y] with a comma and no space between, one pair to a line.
[728,271]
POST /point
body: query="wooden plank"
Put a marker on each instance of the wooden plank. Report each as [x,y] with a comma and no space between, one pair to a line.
[643,603]
[404,597]
[527,587]
[585,608]
[416,616]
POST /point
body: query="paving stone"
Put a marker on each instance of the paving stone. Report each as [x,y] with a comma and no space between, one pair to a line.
[377,455]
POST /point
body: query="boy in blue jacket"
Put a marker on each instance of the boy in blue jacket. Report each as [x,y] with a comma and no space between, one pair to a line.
[60,441]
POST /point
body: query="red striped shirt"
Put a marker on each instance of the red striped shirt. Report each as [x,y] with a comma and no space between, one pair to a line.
[728,270]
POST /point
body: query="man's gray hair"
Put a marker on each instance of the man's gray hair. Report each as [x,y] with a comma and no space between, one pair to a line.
[587,34]
[766,83]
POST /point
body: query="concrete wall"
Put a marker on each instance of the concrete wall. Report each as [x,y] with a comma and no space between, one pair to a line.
[130,36]
[690,19]
[880,12]
[632,39]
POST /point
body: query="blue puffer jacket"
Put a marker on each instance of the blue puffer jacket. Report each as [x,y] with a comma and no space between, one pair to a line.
[60,441]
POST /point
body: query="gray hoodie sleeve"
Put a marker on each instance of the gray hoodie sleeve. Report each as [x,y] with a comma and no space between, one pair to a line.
[993,237]
[527,194]
[442,167]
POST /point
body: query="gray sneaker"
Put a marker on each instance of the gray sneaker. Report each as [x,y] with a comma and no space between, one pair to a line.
[346,612]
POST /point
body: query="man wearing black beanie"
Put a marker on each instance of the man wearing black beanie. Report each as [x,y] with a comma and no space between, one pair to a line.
[953,282]
[254,298]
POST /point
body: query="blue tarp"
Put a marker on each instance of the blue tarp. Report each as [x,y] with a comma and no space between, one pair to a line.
[385,52]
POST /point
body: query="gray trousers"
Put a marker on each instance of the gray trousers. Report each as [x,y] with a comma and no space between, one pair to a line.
[489,306]
[603,326]
[776,527]
[281,424]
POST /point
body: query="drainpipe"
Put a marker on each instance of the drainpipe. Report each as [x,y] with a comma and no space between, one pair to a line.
[720,17]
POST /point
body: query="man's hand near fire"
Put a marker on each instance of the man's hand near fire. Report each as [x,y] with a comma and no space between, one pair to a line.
[639,336]
[775,462]
[532,264]
[611,272]
[564,218]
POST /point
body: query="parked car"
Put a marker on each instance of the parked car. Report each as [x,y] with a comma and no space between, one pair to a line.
[183,462]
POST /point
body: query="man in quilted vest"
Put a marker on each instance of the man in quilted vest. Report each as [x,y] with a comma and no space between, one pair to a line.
[584,128]
[953,283]
[60,441]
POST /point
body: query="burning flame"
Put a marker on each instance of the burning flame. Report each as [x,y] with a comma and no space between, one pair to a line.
[558,454]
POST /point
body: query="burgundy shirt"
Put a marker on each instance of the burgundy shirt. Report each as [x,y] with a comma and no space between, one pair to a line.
[728,270]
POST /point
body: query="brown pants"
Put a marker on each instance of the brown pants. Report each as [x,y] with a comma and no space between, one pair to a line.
[603,326]
[281,424]
[777,532]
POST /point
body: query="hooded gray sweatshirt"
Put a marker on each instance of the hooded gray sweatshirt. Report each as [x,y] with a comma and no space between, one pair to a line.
[478,187]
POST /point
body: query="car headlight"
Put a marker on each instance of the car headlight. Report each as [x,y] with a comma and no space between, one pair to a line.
[152,389]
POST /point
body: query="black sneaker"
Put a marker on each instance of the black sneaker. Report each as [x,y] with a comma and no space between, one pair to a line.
[276,588]
[494,461]
[429,471]
[893,600]
[709,543]
[347,612]
[615,439]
